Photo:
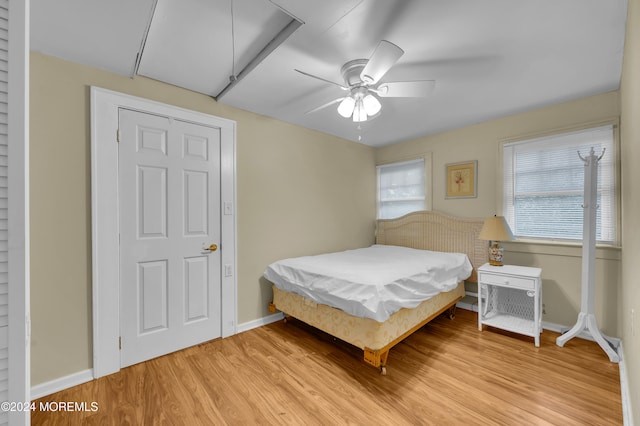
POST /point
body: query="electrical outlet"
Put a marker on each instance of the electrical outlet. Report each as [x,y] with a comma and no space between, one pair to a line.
[544,309]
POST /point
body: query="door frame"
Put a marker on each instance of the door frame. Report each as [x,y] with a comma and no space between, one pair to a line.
[105,105]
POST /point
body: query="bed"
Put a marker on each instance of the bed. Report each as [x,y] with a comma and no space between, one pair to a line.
[376,331]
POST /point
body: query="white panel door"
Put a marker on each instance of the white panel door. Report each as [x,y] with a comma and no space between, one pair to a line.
[169,214]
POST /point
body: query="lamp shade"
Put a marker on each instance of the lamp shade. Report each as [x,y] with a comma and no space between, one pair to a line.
[345,108]
[495,228]
[371,104]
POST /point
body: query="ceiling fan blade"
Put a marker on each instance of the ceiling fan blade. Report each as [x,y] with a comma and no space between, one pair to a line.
[406,89]
[322,79]
[328,104]
[382,59]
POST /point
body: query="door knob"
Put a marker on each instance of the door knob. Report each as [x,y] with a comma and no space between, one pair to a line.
[212,247]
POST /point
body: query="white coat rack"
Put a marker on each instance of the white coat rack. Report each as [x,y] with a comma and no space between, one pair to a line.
[586,317]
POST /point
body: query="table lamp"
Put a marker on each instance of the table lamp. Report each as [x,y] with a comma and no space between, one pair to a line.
[494,230]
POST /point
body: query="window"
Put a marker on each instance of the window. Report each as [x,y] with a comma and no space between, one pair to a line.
[401,188]
[544,185]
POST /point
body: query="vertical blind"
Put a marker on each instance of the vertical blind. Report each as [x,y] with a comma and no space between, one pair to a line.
[401,188]
[544,185]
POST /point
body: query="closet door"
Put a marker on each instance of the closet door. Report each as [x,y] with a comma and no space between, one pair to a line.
[14,211]
[4,207]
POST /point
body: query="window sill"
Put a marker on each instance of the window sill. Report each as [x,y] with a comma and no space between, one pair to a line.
[559,248]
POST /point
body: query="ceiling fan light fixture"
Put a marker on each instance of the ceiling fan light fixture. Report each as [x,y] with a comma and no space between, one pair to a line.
[346,107]
[361,78]
[359,112]
[371,104]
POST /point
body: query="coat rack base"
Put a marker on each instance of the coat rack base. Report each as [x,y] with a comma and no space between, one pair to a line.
[587,322]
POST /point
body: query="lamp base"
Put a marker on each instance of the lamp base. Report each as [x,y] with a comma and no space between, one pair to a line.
[495,254]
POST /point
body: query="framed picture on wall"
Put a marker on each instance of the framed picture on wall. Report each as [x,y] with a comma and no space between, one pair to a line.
[461,179]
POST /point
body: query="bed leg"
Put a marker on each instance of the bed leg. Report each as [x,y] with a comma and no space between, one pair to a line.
[383,363]
[451,312]
[273,310]
[377,358]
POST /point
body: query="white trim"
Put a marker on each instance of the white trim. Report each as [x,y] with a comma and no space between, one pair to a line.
[250,325]
[467,306]
[462,304]
[61,383]
[105,227]
[228,192]
[19,377]
[627,414]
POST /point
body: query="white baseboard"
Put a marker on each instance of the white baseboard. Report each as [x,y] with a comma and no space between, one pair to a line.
[627,415]
[467,306]
[469,302]
[259,322]
[56,385]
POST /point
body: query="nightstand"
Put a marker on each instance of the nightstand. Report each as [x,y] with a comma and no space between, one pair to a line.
[510,298]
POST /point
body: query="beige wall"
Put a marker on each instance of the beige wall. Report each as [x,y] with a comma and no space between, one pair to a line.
[560,264]
[630,130]
[299,192]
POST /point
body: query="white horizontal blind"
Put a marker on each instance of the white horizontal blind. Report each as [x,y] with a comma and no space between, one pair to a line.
[544,185]
[401,188]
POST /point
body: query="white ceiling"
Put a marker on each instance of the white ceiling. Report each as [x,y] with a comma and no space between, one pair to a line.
[489,58]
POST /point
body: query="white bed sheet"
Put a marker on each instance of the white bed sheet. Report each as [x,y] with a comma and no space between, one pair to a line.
[372,282]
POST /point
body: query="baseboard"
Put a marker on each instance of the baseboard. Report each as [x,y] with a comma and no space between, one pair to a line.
[627,415]
[469,302]
[259,322]
[62,383]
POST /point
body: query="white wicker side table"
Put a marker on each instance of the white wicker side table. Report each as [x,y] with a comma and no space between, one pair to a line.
[510,298]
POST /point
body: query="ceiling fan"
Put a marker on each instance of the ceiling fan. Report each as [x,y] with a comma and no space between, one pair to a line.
[362,81]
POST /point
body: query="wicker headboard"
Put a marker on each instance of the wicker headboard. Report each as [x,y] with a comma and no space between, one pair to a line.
[435,231]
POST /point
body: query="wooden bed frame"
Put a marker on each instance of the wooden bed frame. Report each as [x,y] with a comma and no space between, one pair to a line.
[427,230]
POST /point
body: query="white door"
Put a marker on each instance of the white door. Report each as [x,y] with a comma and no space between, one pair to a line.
[169,217]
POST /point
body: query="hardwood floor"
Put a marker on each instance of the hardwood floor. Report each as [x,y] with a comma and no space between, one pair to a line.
[288,373]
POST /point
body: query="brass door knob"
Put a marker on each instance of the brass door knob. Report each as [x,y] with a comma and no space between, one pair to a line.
[212,247]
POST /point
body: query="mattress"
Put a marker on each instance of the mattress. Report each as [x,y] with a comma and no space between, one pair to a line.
[372,282]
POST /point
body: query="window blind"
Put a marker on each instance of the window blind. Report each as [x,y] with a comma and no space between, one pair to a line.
[401,188]
[544,185]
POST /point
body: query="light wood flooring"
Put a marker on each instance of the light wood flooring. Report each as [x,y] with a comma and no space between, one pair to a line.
[447,373]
